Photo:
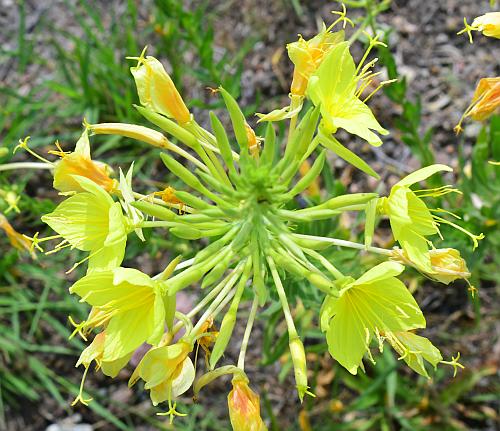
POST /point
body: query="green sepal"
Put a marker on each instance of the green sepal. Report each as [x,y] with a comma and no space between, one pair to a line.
[241,238]
[186,232]
[258,280]
[223,143]
[192,201]
[182,173]
[170,302]
[344,153]
[213,248]
[237,119]
[306,138]
[217,271]
[296,138]
[215,184]
[154,210]
[309,177]
[370,219]
[347,201]
[169,126]
[269,150]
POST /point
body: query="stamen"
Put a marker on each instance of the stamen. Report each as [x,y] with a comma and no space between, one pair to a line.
[474,238]
[59,152]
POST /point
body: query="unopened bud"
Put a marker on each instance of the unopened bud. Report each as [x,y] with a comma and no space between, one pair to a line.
[244,407]
[157,91]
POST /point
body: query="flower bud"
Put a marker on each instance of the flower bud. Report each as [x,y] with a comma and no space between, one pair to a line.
[299,365]
[244,407]
[485,102]
[157,91]
[133,131]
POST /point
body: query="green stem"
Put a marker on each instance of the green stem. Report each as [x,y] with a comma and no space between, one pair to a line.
[248,331]
[349,244]
[292,332]
[25,165]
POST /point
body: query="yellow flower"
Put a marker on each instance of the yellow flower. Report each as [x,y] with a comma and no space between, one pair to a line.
[92,221]
[485,102]
[488,24]
[80,163]
[167,371]
[374,303]
[307,55]
[411,220]
[244,407]
[157,91]
[336,86]
[129,303]
[414,350]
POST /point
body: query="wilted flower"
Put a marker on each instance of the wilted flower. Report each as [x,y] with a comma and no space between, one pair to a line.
[79,163]
[446,263]
[16,239]
[307,55]
[488,24]
[156,89]
[167,371]
[485,102]
[244,407]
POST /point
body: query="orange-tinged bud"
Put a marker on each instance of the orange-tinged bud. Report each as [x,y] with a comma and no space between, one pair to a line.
[485,102]
[157,91]
[307,55]
[486,98]
[253,141]
[488,24]
[244,407]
